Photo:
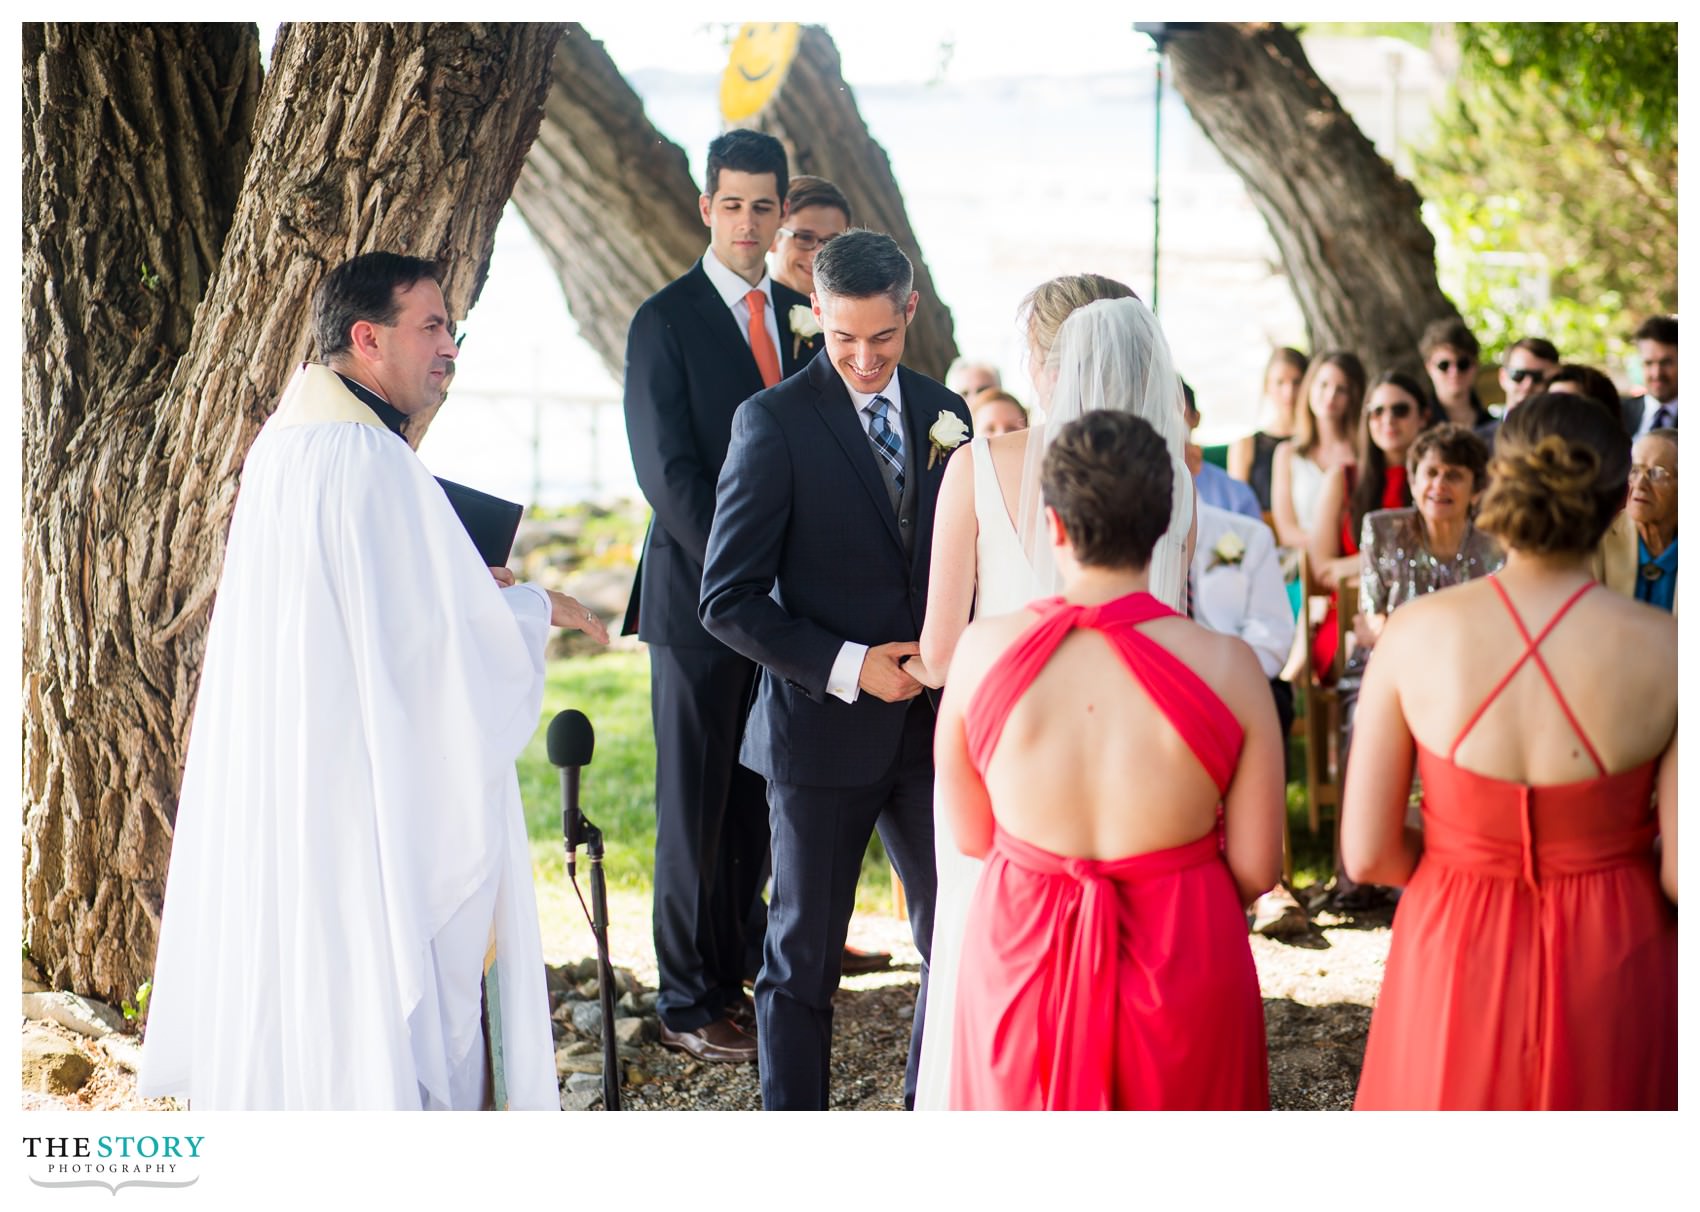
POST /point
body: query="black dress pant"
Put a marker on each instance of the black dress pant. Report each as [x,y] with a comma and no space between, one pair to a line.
[819,837]
[710,832]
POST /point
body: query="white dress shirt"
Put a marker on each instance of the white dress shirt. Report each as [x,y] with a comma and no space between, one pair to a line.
[1247,598]
[733,292]
[845,680]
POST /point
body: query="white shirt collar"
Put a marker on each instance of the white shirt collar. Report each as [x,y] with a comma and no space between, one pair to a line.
[892,393]
[730,286]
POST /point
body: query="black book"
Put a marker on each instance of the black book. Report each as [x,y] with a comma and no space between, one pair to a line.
[491,521]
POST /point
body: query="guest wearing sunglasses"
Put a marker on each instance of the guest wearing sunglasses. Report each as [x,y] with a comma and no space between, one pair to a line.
[1450,355]
[1529,365]
[816,210]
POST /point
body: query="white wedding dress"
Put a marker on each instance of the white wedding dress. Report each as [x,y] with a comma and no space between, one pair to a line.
[1004,583]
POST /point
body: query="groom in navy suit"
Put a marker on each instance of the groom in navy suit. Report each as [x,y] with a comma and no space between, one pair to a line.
[817,570]
[697,348]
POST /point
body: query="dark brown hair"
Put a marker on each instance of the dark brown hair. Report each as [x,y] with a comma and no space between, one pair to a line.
[1449,330]
[1305,437]
[1559,475]
[1372,460]
[1595,384]
[816,191]
[1657,328]
[1109,477]
[1454,445]
[364,288]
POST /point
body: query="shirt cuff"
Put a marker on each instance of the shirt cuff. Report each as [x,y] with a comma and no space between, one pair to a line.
[845,680]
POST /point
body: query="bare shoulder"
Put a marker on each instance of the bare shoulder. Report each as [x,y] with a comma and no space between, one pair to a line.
[985,639]
[1225,662]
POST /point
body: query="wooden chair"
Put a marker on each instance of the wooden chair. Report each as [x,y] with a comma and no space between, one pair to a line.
[1322,701]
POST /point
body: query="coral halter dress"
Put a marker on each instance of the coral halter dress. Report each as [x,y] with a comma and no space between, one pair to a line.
[1108,984]
[1533,963]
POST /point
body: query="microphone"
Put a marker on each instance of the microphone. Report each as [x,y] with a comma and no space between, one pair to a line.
[570,742]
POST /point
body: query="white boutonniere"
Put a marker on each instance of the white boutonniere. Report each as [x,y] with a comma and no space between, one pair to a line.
[1229,551]
[947,433]
[804,327]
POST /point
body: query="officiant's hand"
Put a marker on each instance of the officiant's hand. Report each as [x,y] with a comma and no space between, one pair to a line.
[883,677]
[570,612]
[504,576]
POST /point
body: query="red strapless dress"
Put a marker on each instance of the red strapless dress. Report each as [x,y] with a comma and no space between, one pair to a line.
[1533,963]
[1119,984]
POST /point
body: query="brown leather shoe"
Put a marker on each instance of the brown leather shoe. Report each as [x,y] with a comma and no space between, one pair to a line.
[720,1040]
[858,962]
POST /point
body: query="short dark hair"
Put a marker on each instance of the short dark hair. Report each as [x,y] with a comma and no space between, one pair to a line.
[816,191]
[364,288]
[1657,328]
[1539,346]
[1109,477]
[1455,445]
[1595,384]
[1449,330]
[748,151]
[1559,475]
[861,264]
[1191,398]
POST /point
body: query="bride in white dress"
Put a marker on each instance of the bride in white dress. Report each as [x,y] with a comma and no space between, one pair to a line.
[1092,344]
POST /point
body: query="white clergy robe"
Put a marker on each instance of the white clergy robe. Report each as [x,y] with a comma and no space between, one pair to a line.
[350,836]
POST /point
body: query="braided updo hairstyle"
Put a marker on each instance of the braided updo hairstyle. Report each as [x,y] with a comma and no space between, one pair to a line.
[1560,473]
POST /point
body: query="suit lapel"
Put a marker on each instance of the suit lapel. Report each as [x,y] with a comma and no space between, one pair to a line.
[838,414]
[918,417]
[722,330]
[784,299]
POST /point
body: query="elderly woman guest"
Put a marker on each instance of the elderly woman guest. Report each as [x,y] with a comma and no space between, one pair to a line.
[1534,961]
[1652,507]
[1119,767]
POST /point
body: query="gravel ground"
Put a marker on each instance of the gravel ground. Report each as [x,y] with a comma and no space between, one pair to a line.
[1317,995]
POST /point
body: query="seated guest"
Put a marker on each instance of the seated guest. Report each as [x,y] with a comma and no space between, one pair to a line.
[1396,411]
[1238,590]
[1655,342]
[1451,355]
[1325,436]
[1120,769]
[968,379]
[1577,379]
[1534,963]
[995,411]
[1252,459]
[1215,486]
[1652,508]
[1522,376]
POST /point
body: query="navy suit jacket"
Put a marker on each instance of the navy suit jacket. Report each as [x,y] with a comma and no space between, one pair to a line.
[806,553]
[688,367]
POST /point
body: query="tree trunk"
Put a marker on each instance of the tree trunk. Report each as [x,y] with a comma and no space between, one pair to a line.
[609,198]
[1349,228]
[814,114]
[404,137]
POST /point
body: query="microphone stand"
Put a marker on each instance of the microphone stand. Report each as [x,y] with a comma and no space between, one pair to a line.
[604,966]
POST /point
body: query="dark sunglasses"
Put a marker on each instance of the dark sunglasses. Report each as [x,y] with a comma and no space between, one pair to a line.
[1526,372]
[1398,410]
[1463,364]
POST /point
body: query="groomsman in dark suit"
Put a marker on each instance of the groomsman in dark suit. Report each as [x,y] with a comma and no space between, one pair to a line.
[817,569]
[697,348]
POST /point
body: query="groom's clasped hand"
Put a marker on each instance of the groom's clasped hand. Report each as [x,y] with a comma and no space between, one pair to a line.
[883,673]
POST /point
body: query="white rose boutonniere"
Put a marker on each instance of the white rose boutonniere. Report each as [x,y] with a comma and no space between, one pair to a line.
[947,433]
[1229,551]
[804,327]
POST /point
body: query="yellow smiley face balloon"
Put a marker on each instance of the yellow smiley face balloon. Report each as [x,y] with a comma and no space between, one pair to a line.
[761,55]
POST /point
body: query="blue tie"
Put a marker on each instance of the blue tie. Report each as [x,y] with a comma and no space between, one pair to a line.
[888,442]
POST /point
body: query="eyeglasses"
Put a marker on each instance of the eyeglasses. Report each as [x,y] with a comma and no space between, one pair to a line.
[806,240]
[1657,476]
[1398,410]
[1464,365]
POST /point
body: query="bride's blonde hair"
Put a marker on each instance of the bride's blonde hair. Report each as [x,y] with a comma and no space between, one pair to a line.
[1048,304]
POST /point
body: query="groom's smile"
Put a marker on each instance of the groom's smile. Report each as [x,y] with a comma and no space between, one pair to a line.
[864,337]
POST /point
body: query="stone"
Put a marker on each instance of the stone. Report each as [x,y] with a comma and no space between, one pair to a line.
[587,1019]
[584,970]
[580,1100]
[52,1065]
[586,1081]
[125,1053]
[631,1031]
[80,1014]
[35,987]
[576,1063]
[628,1006]
[562,1013]
[647,1001]
[589,990]
[636,1076]
[582,1047]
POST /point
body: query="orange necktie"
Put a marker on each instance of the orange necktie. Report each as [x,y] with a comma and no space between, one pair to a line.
[767,359]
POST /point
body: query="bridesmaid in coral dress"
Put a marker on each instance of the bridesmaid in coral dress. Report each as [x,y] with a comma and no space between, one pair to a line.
[1533,963]
[1119,768]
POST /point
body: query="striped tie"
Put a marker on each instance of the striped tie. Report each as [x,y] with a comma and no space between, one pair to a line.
[888,442]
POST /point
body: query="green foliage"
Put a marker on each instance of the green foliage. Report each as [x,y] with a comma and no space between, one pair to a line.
[1618,74]
[139,1011]
[1417,33]
[1552,223]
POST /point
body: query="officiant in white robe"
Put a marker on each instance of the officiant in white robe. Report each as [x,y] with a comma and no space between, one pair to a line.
[350,841]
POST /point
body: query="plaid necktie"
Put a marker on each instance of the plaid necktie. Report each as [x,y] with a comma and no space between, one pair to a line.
[888,442]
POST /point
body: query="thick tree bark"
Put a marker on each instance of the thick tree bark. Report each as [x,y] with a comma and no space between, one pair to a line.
[814,114]
[367,136]
[608,197]
[1349,228]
